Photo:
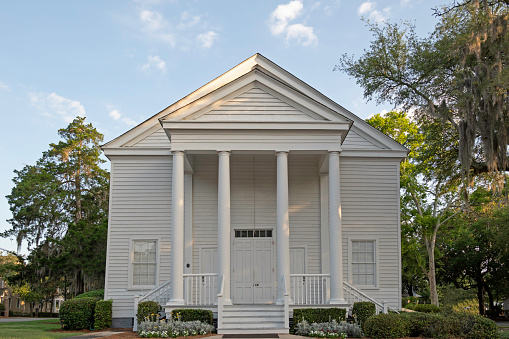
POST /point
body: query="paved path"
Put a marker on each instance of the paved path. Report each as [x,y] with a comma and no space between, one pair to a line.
[17,319]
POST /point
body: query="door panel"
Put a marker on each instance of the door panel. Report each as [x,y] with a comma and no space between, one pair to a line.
[243,271]
[253,274]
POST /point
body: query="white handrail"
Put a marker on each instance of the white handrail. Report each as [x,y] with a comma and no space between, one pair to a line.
[309,289]
[353,294]
[200,288]
[156,292]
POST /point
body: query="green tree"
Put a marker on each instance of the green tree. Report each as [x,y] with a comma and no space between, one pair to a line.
[60,205]
[457,74]
[429,188]
[476,257]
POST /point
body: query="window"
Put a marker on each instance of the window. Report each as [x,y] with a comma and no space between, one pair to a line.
[363,262]
[144,262]
[253,234]
[18,304]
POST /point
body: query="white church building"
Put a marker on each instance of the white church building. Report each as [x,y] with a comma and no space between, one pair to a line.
[252,196]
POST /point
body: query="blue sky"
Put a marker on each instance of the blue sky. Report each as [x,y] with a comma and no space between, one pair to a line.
[120,62]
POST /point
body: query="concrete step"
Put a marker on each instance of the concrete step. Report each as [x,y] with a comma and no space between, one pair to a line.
[240,320]
[252,314]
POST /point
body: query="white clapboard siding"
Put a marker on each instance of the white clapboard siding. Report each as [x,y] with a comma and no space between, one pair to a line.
[304,205]
[255,105]
[156,139]
[354,141]
[370,207]
[140,208]
[204,206]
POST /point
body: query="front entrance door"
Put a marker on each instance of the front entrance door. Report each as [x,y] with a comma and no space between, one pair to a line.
[253,267]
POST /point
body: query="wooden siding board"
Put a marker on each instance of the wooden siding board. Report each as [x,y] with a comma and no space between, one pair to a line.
[141,207]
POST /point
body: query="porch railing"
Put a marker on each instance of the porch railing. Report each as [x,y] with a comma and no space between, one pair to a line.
[353,294]
[200,289]
[310,289]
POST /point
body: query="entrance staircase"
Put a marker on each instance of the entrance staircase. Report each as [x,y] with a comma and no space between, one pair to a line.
[252,319]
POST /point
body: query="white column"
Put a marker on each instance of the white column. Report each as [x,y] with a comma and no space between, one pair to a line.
[283,226]
[335,236]
[223,223]
[177,230]
[188,223]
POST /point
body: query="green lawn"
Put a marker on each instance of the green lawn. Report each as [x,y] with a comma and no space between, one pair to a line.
[33,329]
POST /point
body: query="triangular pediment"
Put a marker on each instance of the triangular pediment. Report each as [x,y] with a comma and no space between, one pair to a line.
[257,103]
[255,91]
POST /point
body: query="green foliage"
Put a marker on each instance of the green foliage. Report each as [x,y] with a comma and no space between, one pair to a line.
[470,306]
[387,325]
[318,315]
[77,314]
[60,207]
[483,328]
[419,322]
[189,314]
[92,294]
[362,311]
[102,314]
[426,308]
[2,307]
[148,309]
[170,328]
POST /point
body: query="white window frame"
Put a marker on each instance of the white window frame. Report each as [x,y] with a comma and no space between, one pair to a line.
[131,261]
[376,240]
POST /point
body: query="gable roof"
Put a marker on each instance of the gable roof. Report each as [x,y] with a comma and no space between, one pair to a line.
[256,78]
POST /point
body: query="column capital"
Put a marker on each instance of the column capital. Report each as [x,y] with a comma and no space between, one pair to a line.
[334,153]
[223,153]
[281,153]
[178,153]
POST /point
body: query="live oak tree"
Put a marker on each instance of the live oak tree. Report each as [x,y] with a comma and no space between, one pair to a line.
[457,74]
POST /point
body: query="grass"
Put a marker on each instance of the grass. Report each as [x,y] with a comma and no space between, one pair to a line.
[33,329]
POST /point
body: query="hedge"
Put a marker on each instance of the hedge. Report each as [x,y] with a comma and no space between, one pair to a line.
[77,314]
[92,294]
[387,325]
[102,315]
[47,315]
[2,307]
[187,314]
[147,309]
[318,315]
[362,310]
[430,325]
[426,308]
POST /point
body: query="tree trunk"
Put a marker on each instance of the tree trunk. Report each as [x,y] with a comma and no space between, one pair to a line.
[490,297]
[432,278]
[480,296]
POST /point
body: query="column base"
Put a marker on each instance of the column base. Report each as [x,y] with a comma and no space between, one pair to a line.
[176,302]
[281,301]
[338,301]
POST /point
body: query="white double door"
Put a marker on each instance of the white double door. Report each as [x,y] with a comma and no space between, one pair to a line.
[253,273]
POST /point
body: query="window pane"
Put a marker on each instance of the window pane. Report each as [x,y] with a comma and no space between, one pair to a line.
[363,262]
[145,262]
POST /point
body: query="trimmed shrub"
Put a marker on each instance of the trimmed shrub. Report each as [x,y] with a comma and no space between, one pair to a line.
[147,309]
[188,314]
[362,310]
[92,294]
[172,329]
[470,306]
[483,328]
[102,315]
[319,315]
[331,329]
[2,307]
[426,308]
[77,314]
[418,323]
[386,325]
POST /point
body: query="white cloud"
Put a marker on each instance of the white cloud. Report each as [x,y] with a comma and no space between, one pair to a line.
[281,18]
[302,34]
[206,40]
[283,14]
[116,115]
[368,9]
[154,62]
[188,20]
[4,86]
[156,26]
[55,106]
